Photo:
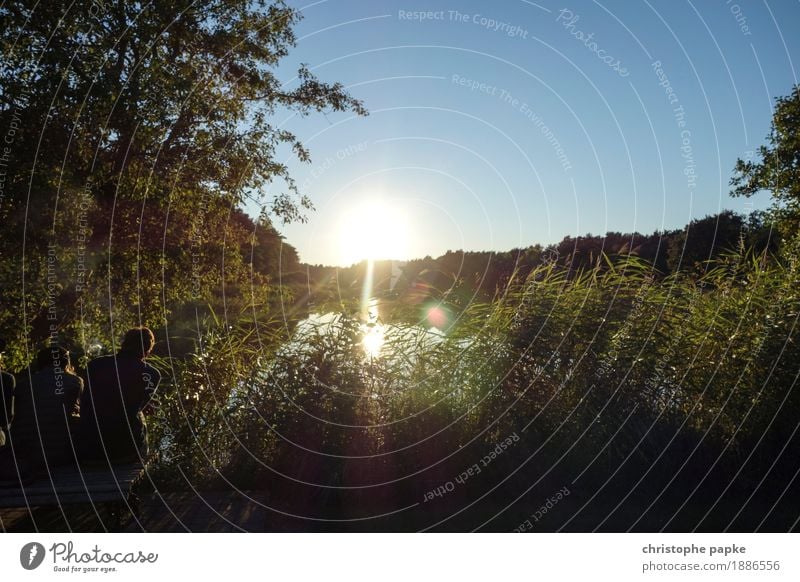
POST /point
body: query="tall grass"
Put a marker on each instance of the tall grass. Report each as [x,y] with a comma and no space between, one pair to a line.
[609,369]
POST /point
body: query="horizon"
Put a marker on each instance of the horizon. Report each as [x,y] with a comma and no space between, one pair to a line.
[543,246]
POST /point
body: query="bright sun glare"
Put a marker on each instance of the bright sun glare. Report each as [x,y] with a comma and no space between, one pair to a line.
[374,331]
[373,230]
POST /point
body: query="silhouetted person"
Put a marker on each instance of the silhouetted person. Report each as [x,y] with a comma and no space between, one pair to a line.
[118,389]
[46,410]
[7,384]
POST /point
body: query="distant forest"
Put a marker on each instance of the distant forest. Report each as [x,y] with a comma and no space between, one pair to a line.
[462,276]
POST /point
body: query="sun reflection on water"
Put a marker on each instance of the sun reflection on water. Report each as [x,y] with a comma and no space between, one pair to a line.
[373,330]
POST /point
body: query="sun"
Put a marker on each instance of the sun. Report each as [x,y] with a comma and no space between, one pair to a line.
[373,230]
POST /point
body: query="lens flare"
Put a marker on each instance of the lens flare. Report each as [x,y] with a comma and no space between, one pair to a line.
[375,230]
[437,317]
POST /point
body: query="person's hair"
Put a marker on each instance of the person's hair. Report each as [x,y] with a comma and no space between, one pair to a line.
[54,356]
[138,341]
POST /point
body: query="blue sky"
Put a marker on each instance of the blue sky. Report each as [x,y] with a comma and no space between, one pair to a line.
[501,124]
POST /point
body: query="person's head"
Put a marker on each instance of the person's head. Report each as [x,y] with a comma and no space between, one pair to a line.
[54,357]
[138,342]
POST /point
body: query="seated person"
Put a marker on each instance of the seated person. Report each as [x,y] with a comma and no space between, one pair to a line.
[7,384]
[119,387]
[46,409]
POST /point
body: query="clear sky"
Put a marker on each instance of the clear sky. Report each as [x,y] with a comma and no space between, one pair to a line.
[501,124]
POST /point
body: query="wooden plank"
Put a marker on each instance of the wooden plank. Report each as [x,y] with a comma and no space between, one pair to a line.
[54,491]
[93,478]
[66,499]
[202,511]
[97,485]
[89,482]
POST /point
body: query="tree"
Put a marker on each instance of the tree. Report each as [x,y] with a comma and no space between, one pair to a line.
[778,167]
[704,239]
[131,131]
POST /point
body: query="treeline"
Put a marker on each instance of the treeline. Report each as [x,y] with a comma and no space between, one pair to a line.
[131,139]
[463,276]
[222,264]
